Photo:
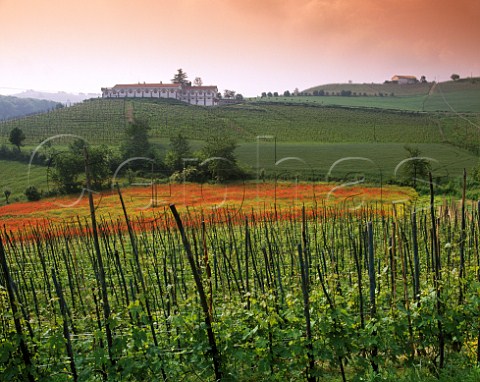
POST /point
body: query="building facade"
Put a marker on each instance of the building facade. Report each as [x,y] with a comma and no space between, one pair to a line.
[194,95]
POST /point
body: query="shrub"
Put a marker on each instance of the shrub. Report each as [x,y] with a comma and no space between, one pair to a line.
[32,193]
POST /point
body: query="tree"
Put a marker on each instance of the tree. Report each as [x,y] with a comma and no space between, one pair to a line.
[32,194]
[275,94]
[69,166]
[415,166]
[218,159]
[198,81]
[455,77]
[269,94]
[180,77]
[423,79]
[7,192]
[136,142]
[66,171]
[264,94]
[179,149]
[99,162]
[229,93]
[239,97]
[286,93]
[78,146]
[17,137]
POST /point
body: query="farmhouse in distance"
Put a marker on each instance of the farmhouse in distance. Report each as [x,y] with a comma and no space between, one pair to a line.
[404,80]
[182,91]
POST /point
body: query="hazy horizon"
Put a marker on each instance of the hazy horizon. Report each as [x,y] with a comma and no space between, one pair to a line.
[248,46]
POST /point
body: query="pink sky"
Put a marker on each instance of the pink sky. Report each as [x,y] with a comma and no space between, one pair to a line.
[246,45]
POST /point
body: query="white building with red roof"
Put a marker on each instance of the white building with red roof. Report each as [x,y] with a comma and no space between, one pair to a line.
[194,95]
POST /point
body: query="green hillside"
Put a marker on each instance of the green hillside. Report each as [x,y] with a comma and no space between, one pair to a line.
[461,96]
[15,107]
[103,121]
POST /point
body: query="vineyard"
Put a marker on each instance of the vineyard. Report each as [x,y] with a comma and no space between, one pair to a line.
[287,277]
[323,292]
[103,121]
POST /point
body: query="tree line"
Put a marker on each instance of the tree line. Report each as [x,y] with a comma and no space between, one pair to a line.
[136,158]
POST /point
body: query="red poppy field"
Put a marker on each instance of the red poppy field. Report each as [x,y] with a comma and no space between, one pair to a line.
[144,203]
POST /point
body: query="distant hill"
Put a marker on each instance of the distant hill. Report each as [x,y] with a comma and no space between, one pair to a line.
[461,96]
[62,97]
[394,89]
[14,107]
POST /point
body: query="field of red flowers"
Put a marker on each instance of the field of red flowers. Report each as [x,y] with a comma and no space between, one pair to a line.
[144,203]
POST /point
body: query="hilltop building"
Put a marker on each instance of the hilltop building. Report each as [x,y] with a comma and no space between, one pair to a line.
[194,95]
[404,80]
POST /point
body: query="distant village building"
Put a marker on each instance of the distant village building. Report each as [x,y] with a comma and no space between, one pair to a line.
[404,80]
[194,95]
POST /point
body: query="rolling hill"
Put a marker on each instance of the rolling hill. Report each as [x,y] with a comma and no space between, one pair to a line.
[104,120]
[15,107]
[461,96]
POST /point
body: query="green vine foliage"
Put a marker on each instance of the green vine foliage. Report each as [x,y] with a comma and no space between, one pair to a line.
[257,306]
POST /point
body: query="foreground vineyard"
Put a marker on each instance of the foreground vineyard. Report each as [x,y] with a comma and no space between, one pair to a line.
[327,294]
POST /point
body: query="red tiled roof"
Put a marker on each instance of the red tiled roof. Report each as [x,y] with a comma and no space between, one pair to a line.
[174,86]
[146,86]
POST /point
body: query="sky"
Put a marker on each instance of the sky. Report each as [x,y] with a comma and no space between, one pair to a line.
[249,46]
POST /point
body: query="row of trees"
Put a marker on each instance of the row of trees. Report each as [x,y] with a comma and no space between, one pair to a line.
[322,92]
[138,157]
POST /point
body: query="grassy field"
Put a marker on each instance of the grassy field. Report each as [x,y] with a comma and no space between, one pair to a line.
[375,162]
[317,160]
[16,177]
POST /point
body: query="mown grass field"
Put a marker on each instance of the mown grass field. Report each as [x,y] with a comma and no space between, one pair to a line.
[336,160]
[16,177]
